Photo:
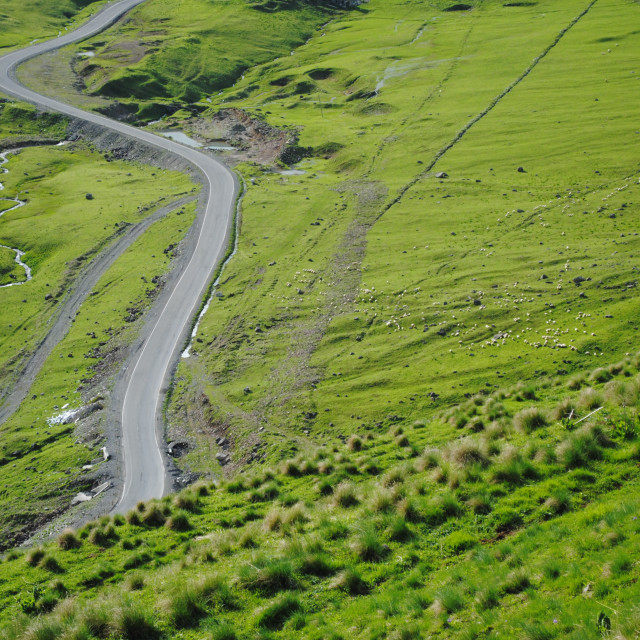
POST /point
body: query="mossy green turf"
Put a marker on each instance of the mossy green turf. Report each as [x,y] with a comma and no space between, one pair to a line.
[171,51]
[367,284]
[417,532]
[25,20]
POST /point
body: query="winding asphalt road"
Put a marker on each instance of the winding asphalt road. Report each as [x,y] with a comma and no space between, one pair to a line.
[149,372]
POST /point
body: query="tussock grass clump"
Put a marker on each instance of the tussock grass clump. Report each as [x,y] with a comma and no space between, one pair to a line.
[153,516]
[622,394]
[368,545]
[429,459]
[354,443]
[133,518]
[466,452]
[134,582]
[325,467]
[236,486]
[441,508]
[600,375]
[576,382]
[488,598]
[345,495]
[136,560]
[559,502]
[402,441]
[350,582]
[179,522]
[516,582]
[383,500]
[132,622]
[582,447]
[396,475]
[273,520]
[590,399]
[529,420]
[565,409]
[317,564]
[448,599]
[189,604]
[409,510]
[398,530]
[290,468]
[187,501]
[50,563]
[480,504]
[68,540]
[308,468]
[513,468]
[296,515]
[34,556]
[268,577]
[276,614]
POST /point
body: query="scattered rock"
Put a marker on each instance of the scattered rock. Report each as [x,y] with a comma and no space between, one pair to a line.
[521,170]
[442,174]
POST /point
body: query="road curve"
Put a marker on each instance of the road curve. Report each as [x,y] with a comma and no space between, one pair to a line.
[145,475]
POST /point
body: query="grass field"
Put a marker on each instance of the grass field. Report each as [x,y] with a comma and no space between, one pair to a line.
[369,288]
[526,527]
[26,20]
[166,54]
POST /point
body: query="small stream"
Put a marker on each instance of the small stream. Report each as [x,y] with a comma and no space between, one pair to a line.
[18,203]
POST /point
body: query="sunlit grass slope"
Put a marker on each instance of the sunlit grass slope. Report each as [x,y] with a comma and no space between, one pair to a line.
[181,51]
[371,286]
[25,20]
[522,523]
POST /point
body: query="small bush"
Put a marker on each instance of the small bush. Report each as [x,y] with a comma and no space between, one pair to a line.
[529,420]
[345,495]
[350,581]
[276,614]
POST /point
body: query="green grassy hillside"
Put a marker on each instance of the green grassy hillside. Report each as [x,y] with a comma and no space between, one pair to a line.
[368,286]
[423,355]
[168,53]
[524,527]
[25,20]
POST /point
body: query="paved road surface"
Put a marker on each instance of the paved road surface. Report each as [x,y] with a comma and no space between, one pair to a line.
[145,474]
